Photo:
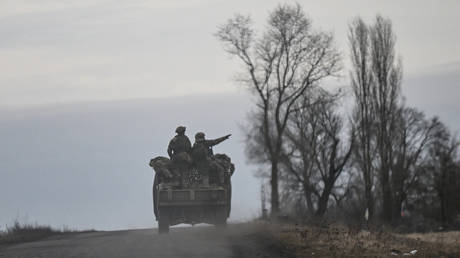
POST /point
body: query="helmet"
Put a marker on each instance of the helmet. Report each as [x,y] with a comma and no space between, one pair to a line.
[180,129]
[199,136]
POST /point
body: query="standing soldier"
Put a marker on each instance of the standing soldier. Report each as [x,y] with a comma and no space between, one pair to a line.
[179,148]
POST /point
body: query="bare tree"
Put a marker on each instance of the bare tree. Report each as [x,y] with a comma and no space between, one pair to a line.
[301,148]
[314,156]
[444,173]
[333,156]
[280,65]
[413,133]
[363,117]
[376,80]
[387,74]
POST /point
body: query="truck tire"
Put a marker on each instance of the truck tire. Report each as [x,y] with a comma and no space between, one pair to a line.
[163,222]
[229,198]
[155,195]
[221,217]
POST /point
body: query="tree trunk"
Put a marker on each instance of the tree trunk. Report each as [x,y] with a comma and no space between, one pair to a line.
[324,199]
[308,193]
[369,197]
[274,191]
[398,195]
[386,194]
[397,208]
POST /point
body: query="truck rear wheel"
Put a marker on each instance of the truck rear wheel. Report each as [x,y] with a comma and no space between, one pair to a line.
[156,181]
[163,222]
[221,218]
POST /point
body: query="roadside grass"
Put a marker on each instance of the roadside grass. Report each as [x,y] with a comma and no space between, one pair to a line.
[341,241]
[441,238]
[26,232]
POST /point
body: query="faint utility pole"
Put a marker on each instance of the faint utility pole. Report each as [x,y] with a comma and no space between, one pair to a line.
[263,200]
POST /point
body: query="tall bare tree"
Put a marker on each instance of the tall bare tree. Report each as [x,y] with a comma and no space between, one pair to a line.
[363,117]
[280,65]
[376,80]
[387,74]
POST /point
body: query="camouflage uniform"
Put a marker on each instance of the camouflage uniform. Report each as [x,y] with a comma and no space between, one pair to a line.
[202,143]
[179,148]
[203,157]
[180,143]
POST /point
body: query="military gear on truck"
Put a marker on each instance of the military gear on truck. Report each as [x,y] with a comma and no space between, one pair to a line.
[202,192]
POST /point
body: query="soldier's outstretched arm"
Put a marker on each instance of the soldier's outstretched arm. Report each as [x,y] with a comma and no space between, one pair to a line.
[218,140]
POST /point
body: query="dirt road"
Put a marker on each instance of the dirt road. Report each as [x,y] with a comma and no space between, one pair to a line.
[235,241]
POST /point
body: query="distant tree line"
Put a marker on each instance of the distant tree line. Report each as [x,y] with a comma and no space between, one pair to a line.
[381,157]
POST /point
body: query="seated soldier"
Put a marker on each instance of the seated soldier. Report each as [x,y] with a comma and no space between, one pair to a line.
[202,156]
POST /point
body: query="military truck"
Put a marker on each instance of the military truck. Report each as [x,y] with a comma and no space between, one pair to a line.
[191,199]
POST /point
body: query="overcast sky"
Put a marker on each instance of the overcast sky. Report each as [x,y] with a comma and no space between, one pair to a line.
[66,68]
[67,51]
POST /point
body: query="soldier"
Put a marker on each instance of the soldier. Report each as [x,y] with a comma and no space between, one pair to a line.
[179,148]
[202,155]
[201,142]
[180,143]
